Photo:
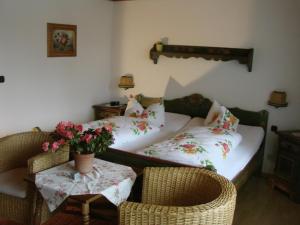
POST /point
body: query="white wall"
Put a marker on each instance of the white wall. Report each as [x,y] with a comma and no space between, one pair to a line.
[271,27]
[41,91]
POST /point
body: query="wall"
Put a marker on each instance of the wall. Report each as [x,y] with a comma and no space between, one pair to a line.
[41,91]
[271,27]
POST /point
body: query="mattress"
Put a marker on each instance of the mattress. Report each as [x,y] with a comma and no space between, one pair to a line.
[173,124]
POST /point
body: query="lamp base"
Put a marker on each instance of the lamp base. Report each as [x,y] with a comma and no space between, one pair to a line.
[276,105]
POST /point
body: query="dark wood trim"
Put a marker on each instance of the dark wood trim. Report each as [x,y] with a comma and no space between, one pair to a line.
[243,56]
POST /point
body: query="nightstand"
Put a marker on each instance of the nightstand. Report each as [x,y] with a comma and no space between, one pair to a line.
[106,110]
[287,169]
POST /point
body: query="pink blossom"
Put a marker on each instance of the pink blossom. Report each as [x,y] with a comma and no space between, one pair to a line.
[55,146]
[45,146]
[108,127]
[63,128]
[69,135]
[87,138]
[78,127]
[61,142]
[98,131]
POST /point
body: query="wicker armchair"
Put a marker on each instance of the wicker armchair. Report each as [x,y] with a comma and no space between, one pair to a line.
[24,150]
[181,196]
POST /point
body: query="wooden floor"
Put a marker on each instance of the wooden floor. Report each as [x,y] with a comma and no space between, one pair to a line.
[258,204]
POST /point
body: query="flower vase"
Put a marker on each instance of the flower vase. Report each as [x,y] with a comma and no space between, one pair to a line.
[84,162]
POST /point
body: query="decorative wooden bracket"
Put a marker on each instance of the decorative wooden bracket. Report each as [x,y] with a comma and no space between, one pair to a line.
[243,56]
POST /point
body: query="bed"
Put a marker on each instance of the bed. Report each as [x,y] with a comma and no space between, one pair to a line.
[196,106]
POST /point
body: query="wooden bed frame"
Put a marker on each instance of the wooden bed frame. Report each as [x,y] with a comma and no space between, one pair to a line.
[196,105]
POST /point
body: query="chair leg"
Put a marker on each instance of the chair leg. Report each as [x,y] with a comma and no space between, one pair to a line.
[85,211]
[37,209]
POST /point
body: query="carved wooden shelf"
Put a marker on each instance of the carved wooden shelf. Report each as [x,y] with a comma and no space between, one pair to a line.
[243,56]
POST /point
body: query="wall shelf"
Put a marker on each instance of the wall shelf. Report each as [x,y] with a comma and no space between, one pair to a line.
[243,56]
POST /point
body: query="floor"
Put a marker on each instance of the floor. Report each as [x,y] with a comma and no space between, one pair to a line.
[257,203]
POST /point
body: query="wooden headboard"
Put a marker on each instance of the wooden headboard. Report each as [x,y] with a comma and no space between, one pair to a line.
[196,105]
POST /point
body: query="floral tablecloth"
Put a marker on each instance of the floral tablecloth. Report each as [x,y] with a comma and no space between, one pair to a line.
[111,180]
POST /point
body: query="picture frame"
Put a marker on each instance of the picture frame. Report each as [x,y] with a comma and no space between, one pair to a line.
[61,40]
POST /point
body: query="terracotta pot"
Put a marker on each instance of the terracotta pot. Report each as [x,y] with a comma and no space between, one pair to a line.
[84,162]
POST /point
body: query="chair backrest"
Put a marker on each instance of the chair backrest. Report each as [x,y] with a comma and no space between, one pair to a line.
[15,149]
[181,186]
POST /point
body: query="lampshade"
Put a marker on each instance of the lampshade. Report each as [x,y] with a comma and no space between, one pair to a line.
[126,82]
[278,99]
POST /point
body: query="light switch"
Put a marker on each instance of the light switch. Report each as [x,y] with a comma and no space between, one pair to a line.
[2,79]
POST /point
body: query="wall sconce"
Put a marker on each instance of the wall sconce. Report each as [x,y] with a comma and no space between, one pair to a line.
[278,99]
[126,82]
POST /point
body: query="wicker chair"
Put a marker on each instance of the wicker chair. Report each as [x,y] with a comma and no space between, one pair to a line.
[24,150]
[181,196]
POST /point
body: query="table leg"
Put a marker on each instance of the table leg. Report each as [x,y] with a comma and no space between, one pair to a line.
[85,211]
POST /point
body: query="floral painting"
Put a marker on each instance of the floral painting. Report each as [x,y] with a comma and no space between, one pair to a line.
[61,40]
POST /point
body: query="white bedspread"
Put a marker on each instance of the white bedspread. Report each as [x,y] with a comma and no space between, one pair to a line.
[131,134]
[125,129]
[197,146]
[238,159]
[252,138]
[173,123]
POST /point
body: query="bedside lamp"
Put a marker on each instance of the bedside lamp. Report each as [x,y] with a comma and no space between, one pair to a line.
[126,82]
[278,99]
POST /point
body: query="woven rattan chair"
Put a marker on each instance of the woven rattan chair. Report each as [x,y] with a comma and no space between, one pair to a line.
[181,196]
[24,150]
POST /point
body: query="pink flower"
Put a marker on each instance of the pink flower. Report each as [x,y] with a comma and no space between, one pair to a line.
[45,146]
[78,127]
[69,135]
[108,127]
[61,142]
[63,129]
[55,146]
[98,131]
[87,138]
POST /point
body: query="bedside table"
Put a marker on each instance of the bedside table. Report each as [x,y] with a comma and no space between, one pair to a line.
[106,110]
[287,169]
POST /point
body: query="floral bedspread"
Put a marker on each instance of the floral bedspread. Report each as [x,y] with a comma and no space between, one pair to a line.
[125,129]
[112,180]
[198,146]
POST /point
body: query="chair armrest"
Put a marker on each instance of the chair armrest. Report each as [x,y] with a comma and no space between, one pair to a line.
[47,160]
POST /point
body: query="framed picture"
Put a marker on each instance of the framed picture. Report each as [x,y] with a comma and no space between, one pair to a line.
[61,40]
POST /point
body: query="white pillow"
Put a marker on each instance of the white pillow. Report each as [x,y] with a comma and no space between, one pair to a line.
[220,117]
[213,114]
[134,108]
[155,114]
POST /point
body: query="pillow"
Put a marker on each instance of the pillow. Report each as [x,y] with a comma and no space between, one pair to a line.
[220,117]
[133,109]
[155,114]
[213,114]
[147,101]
